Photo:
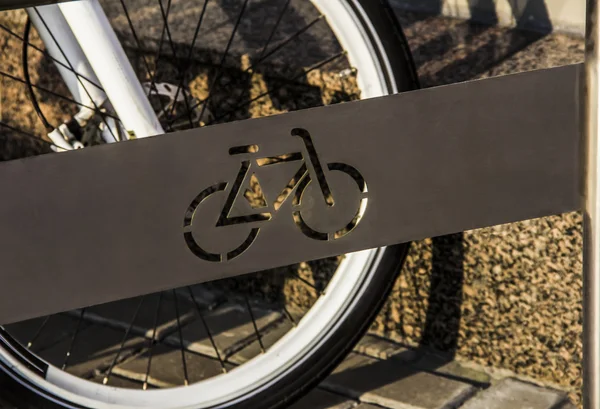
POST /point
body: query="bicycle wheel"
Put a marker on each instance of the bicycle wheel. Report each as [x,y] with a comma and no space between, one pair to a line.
[257,341]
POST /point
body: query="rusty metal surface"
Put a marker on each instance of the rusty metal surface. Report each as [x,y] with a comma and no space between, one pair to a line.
[120,220]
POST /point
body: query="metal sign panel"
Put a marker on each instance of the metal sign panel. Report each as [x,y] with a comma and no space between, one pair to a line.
[116,221]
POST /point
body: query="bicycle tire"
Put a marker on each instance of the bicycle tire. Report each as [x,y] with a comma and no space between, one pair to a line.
[381,25]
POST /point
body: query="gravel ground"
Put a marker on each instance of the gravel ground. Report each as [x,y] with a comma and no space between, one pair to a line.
[507,296]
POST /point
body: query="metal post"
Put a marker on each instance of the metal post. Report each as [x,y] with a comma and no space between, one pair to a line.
[591,213]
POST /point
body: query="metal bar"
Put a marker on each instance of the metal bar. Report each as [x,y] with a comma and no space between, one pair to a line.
[400,168]
[591,212]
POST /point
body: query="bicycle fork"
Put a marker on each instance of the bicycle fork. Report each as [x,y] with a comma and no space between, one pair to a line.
[85,48]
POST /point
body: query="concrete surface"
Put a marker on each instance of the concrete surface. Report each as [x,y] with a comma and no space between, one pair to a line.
[378,374]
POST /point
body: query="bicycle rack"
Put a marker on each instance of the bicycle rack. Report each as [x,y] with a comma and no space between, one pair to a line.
[591,202]
[421,164]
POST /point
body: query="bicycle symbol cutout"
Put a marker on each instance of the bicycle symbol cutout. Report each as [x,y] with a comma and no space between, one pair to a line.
[310,169]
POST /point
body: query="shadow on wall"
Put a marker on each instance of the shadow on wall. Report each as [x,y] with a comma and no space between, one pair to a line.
[443,314]
[442,319]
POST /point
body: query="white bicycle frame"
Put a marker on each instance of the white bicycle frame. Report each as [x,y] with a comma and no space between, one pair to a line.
[89,46]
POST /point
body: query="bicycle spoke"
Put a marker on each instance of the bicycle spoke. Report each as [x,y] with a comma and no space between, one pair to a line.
[262,58]
[289,316]
[260,61]
[28,135]
[32,97]
[268,92]
[50,92]
[275,49]
[316,66]
[135,36]
[260,342]
[282,80]
[165,16]
[116,358]
[78,79]
[225,53]
[47,54]
[189,57]
[146,64]
[252,67]
[38,332]
[292,37]
[72,343]
[274,29]
[308,283]
[185,372]
[210,337]
[152,342]
[158,54]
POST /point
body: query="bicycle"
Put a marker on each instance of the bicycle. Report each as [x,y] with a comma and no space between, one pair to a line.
[298,184]
[360,41]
